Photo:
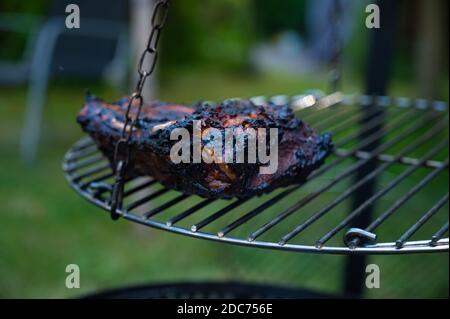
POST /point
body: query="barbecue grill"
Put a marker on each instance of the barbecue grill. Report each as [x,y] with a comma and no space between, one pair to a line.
[390,160]
[414,141]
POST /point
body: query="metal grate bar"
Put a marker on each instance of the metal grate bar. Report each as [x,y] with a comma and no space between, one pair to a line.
[196,227]
[439,234]
[83,144]
[371,200]
[343,125]
[74,166]
[375,122]
[171,203]
[316,173]
[146,199]
[391,128]
[311,102]
[97,179]
[85,152]
[325,187]
[306,199]
[379,220]
[273,222]
[366,118]
[310,117]
[189,212]
[254,212]
[289,211]
[265,227]
[433,210]
[92,171]
[347,173]
[139,187]
[404,160]
[395,124]
[340,125]
[324,121]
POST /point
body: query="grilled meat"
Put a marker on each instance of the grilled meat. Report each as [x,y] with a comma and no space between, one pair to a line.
[300,148]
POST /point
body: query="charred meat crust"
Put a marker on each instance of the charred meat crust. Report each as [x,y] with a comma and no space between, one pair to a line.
[300,148]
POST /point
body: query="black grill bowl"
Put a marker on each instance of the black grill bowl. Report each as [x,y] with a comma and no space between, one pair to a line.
[207,290]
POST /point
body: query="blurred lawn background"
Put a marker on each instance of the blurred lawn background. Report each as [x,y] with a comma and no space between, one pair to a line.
[45,225]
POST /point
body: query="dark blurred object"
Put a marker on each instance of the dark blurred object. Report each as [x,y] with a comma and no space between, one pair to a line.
[98,48]
[431,47]
[379,57]
[16,72]
[229,290]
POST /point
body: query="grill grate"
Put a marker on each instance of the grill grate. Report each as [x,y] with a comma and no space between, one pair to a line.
[411,152]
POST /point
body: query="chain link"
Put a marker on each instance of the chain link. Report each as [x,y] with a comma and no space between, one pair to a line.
[148,57]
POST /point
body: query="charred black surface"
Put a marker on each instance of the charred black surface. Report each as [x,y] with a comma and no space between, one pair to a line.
[300,148]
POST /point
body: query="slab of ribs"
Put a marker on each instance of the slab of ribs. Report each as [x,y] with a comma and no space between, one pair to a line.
[301,149]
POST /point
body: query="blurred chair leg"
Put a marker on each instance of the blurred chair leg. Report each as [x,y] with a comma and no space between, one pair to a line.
[39,76]
[40,72]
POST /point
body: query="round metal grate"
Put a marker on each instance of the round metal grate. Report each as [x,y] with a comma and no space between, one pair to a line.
[391,160]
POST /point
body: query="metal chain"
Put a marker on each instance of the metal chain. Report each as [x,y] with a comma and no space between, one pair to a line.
[148,57]
[335,59]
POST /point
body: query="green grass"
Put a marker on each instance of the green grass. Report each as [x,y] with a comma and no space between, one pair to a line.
[45,225]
